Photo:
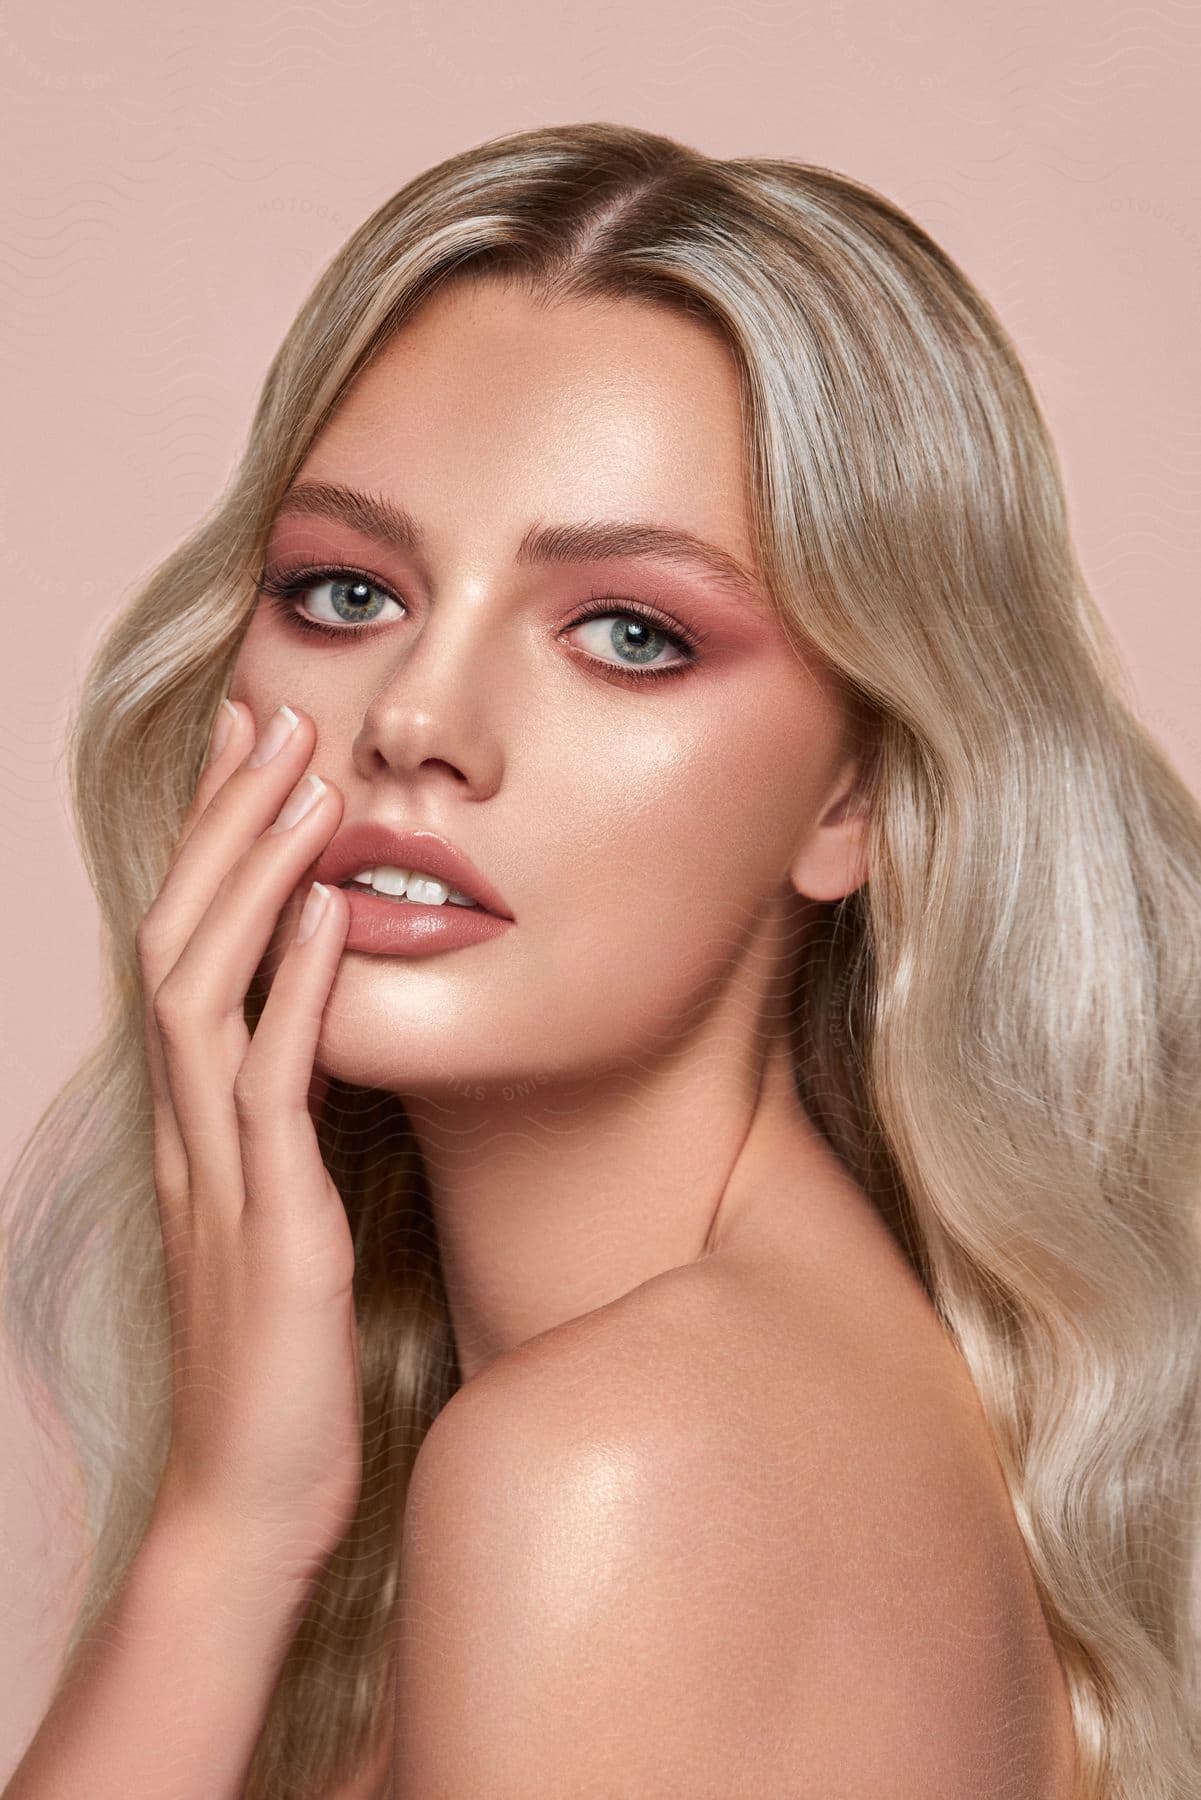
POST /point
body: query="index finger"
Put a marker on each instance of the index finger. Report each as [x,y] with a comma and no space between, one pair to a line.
[230,741]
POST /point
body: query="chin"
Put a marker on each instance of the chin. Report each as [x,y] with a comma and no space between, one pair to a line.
[372,1048]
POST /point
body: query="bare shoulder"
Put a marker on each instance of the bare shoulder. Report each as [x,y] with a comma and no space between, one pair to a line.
[706,1541]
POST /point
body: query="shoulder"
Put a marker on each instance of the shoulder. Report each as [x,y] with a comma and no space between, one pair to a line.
[687,1544]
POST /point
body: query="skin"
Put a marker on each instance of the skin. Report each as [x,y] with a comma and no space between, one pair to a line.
[600,1094]
[603,1096]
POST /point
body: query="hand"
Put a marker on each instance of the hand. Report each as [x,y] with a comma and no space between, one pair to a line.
[266,1436]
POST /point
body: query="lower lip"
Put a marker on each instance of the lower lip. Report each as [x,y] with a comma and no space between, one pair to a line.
[407,928]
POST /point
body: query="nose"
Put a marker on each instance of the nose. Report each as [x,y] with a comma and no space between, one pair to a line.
[436,713]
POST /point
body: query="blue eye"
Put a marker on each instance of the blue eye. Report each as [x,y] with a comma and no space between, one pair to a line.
[638,631]
[640,643]
[350,596]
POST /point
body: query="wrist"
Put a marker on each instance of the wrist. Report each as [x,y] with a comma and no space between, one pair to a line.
[171,1686]
[258,1573]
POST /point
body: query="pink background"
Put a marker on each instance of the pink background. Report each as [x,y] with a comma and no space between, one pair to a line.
[174,180]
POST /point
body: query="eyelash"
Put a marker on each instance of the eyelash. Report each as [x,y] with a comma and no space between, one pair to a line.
[283,587]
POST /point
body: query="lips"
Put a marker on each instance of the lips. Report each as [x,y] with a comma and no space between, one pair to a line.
[369,844]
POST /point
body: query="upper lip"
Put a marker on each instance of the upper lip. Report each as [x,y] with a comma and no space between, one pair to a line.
[370,843]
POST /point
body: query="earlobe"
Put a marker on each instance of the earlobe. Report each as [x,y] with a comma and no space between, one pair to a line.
[830,867]
[833,861]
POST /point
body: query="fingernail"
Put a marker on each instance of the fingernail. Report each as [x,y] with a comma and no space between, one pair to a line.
[313,911]
[302,799]
[221,730]
[279,729]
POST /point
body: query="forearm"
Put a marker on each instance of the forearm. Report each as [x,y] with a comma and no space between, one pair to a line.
[167,1695]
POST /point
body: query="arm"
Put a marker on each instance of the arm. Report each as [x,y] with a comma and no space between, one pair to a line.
[166,1698]
[168,1692]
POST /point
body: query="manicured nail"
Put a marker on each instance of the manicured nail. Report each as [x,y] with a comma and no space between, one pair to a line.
[222,729]
[302,799]
[279,729]
[313,911]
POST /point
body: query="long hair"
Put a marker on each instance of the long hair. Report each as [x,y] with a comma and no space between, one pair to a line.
[997,1033]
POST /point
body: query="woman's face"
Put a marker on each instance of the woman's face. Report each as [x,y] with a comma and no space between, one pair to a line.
[640,826]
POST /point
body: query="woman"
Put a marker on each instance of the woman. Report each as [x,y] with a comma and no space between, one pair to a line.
[769,1148]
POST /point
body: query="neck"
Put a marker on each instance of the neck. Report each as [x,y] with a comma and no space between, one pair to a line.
[551,1200]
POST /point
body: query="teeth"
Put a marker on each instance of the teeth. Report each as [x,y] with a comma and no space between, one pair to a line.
[410,884]
[391,881]
[426,890]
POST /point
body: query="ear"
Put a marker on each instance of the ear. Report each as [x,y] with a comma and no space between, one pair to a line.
[832,861]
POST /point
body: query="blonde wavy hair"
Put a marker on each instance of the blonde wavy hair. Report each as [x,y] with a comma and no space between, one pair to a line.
[998,1033]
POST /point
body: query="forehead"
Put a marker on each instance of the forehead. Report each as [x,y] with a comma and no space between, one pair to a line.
[612,408]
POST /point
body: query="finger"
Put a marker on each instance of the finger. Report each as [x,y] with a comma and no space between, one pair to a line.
[242,800]
[286,1182]
[232,805]
[170,1156]
[229,742]
[235,723]
[200,1005]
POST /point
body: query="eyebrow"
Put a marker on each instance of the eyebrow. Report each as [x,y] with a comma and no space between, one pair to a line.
[585,540]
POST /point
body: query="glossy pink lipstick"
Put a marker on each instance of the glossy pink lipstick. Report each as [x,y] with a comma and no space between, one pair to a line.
[383,926]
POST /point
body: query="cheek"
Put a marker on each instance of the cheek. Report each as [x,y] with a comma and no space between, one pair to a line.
[261,669]
[665,855]
[706,804]
[272,668]
[267,655]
